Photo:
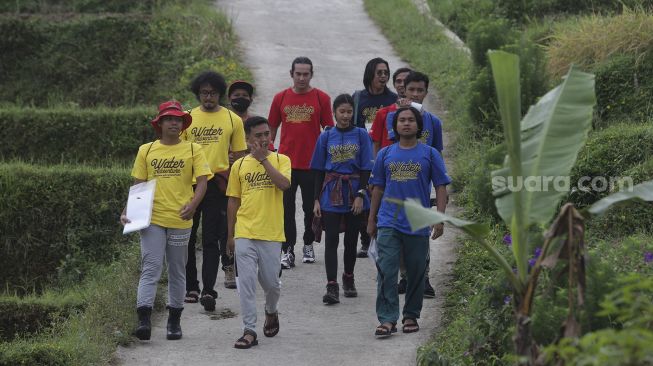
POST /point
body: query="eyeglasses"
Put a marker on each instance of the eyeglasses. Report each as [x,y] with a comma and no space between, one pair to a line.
[211,93]
[382,72]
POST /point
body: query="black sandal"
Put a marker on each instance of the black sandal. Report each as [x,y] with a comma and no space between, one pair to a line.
[409,328]
[243,343]
[383,330]
[271,328]
[192,297]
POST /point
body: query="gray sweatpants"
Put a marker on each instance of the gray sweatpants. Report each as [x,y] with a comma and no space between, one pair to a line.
[159,243]
[257,258]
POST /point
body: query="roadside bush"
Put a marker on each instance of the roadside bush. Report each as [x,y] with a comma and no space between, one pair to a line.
[624,88]
[92,136]
[488,34]
[630,305]
[58,217]
[477,327]
[88,337]
[459,15]
[610,153]
[28,315]
[591,40]
[73,59]
[80,6]
[473,182]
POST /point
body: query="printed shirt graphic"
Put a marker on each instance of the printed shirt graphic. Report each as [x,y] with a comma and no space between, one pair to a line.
[300,117]
[260,215]
[215,132]
[369,104]
[406,173]
[431,134]
[379,130]
[172,166]
[343,152]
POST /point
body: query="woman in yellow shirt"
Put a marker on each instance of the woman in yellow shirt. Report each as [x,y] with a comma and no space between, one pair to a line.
[173,163]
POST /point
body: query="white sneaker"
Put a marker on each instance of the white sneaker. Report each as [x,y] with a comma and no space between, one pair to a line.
[285,260]
[309,254]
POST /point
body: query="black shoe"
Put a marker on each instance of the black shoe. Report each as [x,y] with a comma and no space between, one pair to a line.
[348,286]
[208,302]
[401,287]
[429,292]
[332,295]
[362,253]
[174,326]
[144,329]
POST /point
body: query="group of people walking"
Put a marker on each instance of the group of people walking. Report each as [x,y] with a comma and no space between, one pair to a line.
[218,166]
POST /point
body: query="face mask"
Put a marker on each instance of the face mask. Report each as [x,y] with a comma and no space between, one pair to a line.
[240,105]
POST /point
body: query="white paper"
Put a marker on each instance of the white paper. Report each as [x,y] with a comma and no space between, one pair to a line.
[372,251]
[139,206]
[416,106]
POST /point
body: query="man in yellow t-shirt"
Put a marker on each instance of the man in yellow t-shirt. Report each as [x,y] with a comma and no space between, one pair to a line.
[218,130]
[255,223]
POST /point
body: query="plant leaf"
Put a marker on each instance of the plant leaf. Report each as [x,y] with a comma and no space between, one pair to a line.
[420,217]
[642,191]
[552,133]
[505,72]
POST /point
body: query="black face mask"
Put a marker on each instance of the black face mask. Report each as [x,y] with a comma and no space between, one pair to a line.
[240,105]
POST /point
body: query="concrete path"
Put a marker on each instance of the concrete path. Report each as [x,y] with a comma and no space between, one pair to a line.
[340,38]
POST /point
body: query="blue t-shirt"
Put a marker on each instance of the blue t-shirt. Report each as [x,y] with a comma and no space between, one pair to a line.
[343,152]
[369,104]
[406,173]
[431,133]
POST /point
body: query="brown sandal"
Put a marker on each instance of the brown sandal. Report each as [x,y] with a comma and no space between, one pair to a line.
[410,327]
[243,343]
[271,327]
[383,330]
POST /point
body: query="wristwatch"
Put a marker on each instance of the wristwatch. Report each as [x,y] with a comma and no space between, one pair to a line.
[361,193]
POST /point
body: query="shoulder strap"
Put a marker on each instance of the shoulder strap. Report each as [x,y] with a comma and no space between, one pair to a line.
[357,98]
[231,119]
[149,148]
[192,165]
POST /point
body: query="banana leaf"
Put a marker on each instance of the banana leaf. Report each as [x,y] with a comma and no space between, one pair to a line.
[552,133]
[642,191]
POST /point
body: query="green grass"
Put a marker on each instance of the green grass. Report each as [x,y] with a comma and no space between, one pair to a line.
[87,337]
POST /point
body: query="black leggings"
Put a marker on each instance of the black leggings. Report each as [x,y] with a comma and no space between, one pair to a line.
[332,239]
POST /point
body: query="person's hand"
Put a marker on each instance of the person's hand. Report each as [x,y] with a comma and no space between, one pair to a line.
[124,220]
[187,212]
[317,211]
[371,227]
[258,151]
[357,207]
[231,158]
[438,230]
[404,102]
[231,246]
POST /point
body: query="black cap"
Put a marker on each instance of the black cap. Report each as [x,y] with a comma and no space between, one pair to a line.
[241,84]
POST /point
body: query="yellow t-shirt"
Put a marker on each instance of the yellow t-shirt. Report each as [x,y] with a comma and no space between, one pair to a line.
[260,215]
[173,167]
[216,132]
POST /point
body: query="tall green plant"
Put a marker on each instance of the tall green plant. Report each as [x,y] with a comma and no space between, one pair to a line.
[542,147]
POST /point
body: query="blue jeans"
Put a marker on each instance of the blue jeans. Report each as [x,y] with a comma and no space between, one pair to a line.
[390,243]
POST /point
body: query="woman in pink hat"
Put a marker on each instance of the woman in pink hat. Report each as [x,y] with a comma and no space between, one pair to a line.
[174,164]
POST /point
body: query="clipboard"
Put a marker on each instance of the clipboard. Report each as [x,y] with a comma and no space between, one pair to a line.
[139,206]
